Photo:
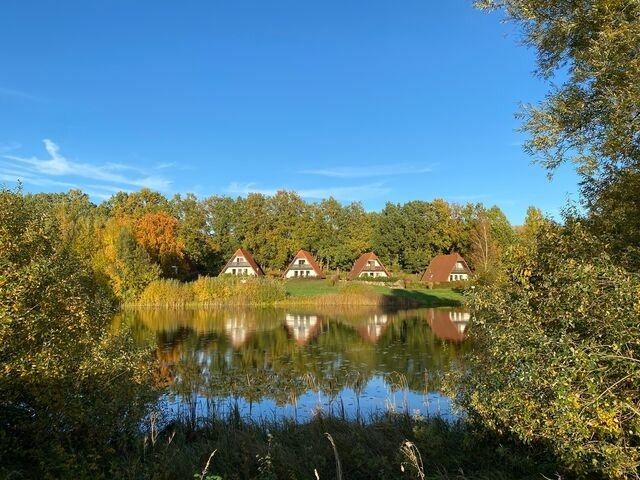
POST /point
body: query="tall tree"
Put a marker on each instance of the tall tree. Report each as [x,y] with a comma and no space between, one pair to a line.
[592,117]
[157,233]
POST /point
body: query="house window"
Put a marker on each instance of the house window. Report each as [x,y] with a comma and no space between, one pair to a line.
[307,273]
[295,273]
[301,261]
[233,271]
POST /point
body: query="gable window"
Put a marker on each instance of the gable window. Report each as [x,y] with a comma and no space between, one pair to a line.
[301,261]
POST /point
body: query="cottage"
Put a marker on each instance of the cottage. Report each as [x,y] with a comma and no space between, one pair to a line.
[368,265]
[242,263]
[303,265]
[446,268]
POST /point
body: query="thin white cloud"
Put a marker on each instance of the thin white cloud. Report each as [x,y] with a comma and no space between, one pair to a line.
[371,170]
[348,193]
[37,170]
[8,147]
[9,92]
[163,166]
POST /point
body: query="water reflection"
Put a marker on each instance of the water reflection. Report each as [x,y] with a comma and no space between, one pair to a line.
[275,363]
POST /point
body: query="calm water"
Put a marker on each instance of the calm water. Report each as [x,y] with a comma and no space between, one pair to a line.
[270,363]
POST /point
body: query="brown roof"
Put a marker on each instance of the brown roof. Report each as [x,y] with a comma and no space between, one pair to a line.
[361,263]
[310,259]
[441,267]
[249,258]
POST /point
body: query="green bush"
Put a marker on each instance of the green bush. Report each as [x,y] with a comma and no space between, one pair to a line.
[71,393]
[557,353]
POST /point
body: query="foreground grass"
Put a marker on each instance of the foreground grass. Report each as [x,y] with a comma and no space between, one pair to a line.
[377,449]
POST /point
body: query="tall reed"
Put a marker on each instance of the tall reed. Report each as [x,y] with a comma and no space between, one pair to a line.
[168,292]
[212,291]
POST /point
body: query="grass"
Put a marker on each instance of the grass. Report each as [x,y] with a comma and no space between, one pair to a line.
[323,292]
[389,446]
[229,290]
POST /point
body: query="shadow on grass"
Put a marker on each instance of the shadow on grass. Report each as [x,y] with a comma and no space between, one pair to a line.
[404,298]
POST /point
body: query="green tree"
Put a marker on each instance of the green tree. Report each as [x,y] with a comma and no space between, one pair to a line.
[71,394]
[558,352]
[592,116]
[556,358]
[195,235]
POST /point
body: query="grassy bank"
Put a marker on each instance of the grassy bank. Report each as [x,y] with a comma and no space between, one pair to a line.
[228,290]
[321,292]
[329,448]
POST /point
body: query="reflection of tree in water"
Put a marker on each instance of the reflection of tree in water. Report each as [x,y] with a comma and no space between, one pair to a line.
[258,354]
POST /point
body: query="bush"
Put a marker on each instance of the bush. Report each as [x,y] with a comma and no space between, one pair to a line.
[71,394]
[557,357]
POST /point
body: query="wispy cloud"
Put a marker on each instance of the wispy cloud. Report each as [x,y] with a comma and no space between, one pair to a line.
[8,147]
[9,92]
[347,193]
[371,170]
[39,171]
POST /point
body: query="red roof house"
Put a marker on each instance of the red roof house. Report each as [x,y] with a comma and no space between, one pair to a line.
[368,265]
[446,268]
[242,263]
[303,265]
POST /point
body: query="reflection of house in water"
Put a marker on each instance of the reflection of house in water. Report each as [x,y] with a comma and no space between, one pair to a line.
[374,327]
[449,324]
[302,327]
[237,331]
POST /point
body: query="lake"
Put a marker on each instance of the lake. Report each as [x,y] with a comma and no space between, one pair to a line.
[274,364]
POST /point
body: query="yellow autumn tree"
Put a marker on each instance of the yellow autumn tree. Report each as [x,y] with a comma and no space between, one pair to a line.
[157,233]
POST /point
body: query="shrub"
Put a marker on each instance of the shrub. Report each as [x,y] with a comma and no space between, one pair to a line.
[557,357]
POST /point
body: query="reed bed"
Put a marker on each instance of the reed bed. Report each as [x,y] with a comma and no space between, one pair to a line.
[329,447]
[212,291]
[235,291]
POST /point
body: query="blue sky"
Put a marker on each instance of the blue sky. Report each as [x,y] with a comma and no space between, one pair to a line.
[369,101]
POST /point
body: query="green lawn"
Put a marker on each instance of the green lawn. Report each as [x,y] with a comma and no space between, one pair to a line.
[438,297]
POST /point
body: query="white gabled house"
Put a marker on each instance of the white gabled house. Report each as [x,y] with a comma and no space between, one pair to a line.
[242,263]
[368,265]
[303,265]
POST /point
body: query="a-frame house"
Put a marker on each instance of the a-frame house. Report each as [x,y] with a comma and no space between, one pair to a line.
[368,265]
[303,265]
[242,263]
[446,268]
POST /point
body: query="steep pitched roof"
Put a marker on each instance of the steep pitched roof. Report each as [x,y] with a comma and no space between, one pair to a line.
[441,267]
[248,257]
[309,258]
[361,263]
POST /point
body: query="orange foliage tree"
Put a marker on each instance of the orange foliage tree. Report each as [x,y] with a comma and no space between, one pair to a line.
[157,233]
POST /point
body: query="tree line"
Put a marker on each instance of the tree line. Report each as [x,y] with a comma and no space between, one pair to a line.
[134,238]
